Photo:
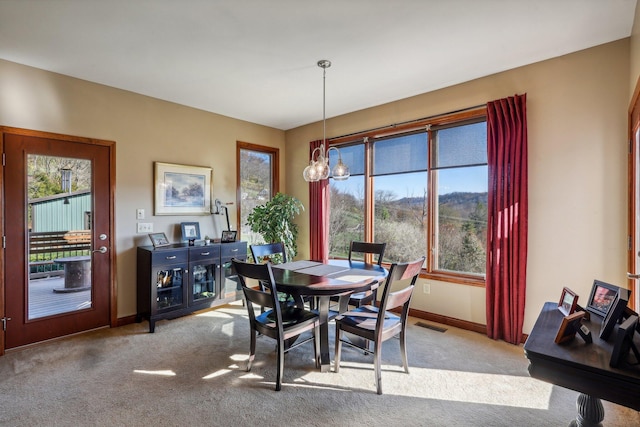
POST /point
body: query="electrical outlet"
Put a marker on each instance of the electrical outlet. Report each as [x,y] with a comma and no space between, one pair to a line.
[139,213]
[145,227]
[426,288]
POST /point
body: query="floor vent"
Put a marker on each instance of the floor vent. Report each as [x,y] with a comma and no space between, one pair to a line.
[432,327]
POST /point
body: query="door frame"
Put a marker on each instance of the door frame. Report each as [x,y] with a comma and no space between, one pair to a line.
[110,145]
[633,190]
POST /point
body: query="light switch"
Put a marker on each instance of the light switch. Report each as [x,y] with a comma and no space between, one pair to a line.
[139,213]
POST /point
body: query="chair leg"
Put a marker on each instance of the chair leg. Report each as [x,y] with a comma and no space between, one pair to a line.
[338,350]
[252,350]
[280,369]
[377,362]
[316,345]
[403,350]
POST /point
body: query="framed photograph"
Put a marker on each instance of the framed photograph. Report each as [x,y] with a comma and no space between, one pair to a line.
[601,297]
[624,343]
[190,230]
[568,301]
[569,326]
[228,236]
[159,240]
[615,313]
[182,190]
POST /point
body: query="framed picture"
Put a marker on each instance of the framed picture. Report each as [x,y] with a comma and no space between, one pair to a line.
[569,326]
[624,343]
[228,236]
[159,239]
[190,230]
[182,190]
[568,301]
[615,313]
[601,297]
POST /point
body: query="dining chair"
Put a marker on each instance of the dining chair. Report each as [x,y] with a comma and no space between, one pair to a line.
[283,323]
[276,254]
[376,249]
[378,324]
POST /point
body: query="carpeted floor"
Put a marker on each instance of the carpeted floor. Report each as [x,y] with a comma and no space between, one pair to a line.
[191,371]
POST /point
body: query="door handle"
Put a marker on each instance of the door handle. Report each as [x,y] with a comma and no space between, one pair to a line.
[633,276]
[102,250]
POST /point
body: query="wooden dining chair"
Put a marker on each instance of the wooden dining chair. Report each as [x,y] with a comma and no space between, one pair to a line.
[376,249]
[378,324]
[283,323]
[273,252]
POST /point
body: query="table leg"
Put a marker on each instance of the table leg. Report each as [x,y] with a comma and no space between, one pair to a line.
[323,312]
[590,412]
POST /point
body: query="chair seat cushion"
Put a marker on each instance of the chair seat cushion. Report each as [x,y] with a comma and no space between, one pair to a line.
[365,318]
[290,315]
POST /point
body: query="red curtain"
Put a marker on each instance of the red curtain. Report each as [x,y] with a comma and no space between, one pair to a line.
[508,217]
[319,214]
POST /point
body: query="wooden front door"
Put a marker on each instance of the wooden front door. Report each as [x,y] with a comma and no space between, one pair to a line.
[58,234]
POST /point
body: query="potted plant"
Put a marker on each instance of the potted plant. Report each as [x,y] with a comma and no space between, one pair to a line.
[274,221]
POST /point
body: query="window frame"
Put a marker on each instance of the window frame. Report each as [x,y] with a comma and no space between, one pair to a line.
[274,152]
[431,124]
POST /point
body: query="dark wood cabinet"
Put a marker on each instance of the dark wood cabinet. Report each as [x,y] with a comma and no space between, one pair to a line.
[176,280]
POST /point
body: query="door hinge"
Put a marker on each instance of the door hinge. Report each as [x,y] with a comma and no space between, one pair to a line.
[3,159]
[4,242]
[4,322]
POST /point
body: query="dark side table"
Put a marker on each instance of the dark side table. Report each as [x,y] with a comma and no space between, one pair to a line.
[582,367]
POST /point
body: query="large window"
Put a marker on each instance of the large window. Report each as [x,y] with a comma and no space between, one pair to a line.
[257,183]
[423,192]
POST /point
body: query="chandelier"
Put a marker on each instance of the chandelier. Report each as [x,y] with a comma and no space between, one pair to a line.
[319,169]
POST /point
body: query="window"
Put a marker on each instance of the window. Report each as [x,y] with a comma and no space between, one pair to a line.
[423,192]
[257,182]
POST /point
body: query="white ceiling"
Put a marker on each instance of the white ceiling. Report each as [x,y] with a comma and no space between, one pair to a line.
[255,60]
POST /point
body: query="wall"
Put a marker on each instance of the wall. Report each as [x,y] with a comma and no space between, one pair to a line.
[145,130]
[577,121]
[635,51]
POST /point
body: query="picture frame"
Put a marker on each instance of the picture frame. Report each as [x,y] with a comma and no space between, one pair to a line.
[182,189]
[615,313]
[190,231]
[159,240]
[228,236]
[624,342]
[569,326]
[568,301]
[601,297]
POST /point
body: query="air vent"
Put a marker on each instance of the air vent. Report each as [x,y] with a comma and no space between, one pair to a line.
[432,327]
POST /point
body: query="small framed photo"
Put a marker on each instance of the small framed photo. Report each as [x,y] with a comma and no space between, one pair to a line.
[601,297]
[569,326]
[616,310]
[624,343]
[228,236]
[190,231]
[159,240]
[568,301]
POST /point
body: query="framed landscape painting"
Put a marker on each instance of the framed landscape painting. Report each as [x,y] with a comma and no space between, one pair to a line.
[181,189]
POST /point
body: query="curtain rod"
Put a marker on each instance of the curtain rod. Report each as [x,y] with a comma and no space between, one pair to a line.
[408,122]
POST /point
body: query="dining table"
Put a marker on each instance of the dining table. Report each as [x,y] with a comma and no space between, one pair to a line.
[335,278]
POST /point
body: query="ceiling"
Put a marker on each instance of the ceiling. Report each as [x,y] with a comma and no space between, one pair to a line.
[255,60]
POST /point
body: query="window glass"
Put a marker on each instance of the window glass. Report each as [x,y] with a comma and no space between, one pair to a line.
[346,214]
[256,186]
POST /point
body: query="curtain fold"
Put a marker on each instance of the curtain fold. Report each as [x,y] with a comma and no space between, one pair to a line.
[319,214]
[507,218]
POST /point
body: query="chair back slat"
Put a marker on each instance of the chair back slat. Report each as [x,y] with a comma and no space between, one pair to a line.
[397,272]
[260,252]
[368,248]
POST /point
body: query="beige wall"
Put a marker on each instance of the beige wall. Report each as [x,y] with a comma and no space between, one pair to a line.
[145,130]
[635,50]
[577,121]
[577,108]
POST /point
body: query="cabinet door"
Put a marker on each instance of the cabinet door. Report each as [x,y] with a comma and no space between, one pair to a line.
[170,287]
[203,265]
[230,284]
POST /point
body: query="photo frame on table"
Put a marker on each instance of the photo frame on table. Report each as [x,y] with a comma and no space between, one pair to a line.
[181,189]
[624,343]
[159,240]
[190,231]
[614,314]
[569,326]
[568,301]
[228,236]
[601,297]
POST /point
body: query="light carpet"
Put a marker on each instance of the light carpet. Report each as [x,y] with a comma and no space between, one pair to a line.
[191,371]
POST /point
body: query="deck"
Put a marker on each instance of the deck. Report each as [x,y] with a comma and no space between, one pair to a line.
[43,301]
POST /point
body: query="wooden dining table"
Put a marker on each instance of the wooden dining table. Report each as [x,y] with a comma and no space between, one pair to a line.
[337,278]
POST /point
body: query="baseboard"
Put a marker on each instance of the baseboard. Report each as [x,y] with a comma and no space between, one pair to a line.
[122,321]
[446,320]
